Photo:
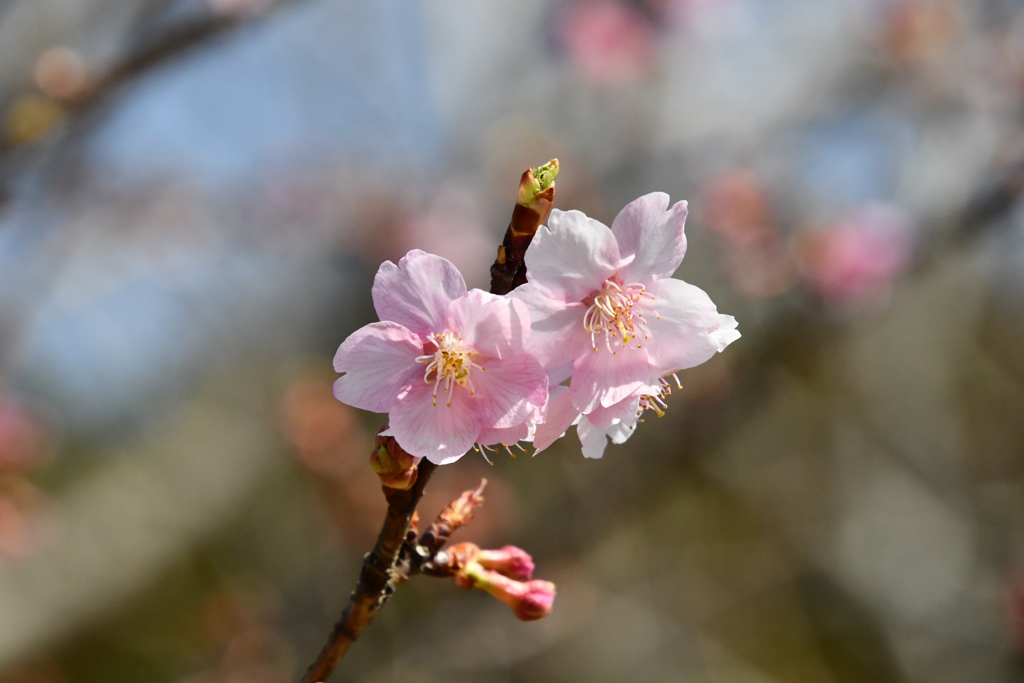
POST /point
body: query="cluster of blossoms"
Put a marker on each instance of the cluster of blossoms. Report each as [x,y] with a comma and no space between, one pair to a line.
[455,368]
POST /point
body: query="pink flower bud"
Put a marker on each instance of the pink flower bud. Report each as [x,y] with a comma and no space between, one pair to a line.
[535,602]
[529,600]
[511,561]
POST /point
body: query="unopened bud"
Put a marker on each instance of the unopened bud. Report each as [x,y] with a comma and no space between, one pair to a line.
[536,197]
[395,468]
[511,561]
[501,573]
[529,600]
[535,601]
[537,180]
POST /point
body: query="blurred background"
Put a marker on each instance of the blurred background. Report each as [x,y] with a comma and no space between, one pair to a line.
[195,195]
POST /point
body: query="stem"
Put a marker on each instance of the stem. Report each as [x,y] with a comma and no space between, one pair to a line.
[377,580]
[379,577]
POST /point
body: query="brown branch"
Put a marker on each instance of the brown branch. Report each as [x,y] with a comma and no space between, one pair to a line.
[382,572]
[536,196]
[458,513]
[377,579]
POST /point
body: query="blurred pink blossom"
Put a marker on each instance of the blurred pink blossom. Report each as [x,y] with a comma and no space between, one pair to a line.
[512,561]
[451,226]
[737,208]
[23,442]
[860,256]
[609,42]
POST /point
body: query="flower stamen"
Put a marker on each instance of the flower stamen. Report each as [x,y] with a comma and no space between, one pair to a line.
[450,364]
[614,312]
[656,401]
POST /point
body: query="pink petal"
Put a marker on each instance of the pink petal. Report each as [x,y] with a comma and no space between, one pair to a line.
[561,415]
[557,335]
[440,433]
[682,323]
[494,326]
[377,360]
[559,374]
[509,391]
[509,436]
[417,292]
[572,255]
[601,378]
[652,235]
[624,411]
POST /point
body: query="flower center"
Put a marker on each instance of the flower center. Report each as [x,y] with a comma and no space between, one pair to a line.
[615,312]
[450,364]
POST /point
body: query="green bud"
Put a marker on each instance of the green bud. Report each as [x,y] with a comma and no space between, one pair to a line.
[536,180]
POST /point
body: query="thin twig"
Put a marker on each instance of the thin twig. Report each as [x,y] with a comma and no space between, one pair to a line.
[377,579]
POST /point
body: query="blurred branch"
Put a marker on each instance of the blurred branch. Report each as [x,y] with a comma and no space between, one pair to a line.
[154,48]
[167,44]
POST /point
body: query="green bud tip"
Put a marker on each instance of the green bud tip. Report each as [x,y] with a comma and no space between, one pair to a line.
[536,180]
[546,174]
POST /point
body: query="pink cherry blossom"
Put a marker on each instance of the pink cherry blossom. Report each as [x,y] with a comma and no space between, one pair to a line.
[603,301]
[449,366]
[611,43]
[860,256]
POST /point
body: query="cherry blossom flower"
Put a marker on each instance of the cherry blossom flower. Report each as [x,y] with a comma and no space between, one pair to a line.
[448,365]
[603,302]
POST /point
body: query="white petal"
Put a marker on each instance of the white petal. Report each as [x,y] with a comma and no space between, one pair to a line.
[726,333]
[572,255]
[625,411]
[681,321]
[620,432]
[591,438]
[557,335]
